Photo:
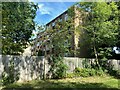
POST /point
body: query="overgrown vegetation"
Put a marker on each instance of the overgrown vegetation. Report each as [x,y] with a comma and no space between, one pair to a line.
[59,38]
[100,26]
[60,48]
[101,31]
[85,72]
[58,69]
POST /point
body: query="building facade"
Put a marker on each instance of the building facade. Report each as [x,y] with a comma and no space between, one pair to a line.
[41,43]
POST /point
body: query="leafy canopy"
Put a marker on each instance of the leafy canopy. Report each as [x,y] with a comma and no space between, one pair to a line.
[17,26]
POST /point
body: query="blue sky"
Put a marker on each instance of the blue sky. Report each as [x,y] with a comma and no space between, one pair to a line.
[49,10]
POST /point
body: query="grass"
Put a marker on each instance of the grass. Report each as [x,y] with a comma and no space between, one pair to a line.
[101,82]
[0,84]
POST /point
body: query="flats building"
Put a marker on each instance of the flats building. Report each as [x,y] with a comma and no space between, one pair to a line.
[75,40]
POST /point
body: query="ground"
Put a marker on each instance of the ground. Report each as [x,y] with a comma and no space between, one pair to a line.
[74,83]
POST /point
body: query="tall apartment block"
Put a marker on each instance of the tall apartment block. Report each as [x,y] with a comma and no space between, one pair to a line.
[75,40]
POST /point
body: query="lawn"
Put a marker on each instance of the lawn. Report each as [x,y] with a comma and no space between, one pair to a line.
[101,82]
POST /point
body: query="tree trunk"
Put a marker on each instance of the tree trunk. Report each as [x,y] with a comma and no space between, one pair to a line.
[95,52]
[96,57]
[44,74]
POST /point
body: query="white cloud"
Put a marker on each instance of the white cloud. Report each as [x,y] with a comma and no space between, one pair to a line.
[31,0]
[44,9]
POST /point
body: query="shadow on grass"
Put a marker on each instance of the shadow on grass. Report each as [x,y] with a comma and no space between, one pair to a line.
[51,85]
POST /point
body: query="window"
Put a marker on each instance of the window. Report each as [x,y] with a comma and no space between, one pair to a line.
[38,44]
[66,17]
[69,30]
[47,27]
[53,25]
[60,20]
[48,41]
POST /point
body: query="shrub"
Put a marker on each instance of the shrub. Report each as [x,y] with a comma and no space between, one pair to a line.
[85,72]
[115,73]
[99,72]
[86,63]
[92,72]
[70,75]
[77,70]
[60,71]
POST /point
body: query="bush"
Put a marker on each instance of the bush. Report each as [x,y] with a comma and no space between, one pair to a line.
[81,72]
[77,70]
[99,72]
[85,72]
[86,63]
[60,71]
[92,72]
[115,73]
[70,75]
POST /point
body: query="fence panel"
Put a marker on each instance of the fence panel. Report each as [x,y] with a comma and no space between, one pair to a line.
[32,67]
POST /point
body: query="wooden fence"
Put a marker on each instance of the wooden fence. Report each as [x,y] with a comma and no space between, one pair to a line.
[32,67]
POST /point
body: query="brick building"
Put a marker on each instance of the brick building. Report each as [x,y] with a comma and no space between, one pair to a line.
[75,40]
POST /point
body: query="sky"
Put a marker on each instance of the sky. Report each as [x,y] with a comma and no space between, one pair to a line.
[49,10]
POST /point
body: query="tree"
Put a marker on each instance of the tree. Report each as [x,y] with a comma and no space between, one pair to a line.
[101,26]
[118,41]
[58,39]
[17,26]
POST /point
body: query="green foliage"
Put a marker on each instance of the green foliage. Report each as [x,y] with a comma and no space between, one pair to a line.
[93,72]
[71,12]
[118,41]
[104,53]
[70,75]
[100,27]
[82,72]
[77,70]
[60,71]
[86,63]
[99,72]
[9,77]
[17,26]
[86,72]
[60,44]
[115,73]
[112,71]
[59,50]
